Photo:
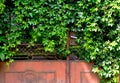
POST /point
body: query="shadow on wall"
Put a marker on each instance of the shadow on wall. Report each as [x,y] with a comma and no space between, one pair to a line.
[81,72]
[87,76]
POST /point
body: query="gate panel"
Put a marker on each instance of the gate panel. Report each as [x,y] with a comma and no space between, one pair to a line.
[81,73]
[34,72]
[47,72]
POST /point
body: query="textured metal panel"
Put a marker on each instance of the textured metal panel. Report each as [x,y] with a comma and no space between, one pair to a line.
[47,71]
[30,77]
[25,49]
[34,72]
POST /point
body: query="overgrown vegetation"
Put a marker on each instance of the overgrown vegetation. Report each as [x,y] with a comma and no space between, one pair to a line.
[96,23]
[99,30]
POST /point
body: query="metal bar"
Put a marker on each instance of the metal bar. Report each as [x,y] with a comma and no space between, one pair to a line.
[68,70]
[68,60]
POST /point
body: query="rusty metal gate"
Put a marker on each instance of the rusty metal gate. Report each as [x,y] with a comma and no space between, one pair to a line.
[47,71]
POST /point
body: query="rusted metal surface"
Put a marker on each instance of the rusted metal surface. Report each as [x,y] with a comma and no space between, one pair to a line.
[68,70]
[72,38]
[47,71]
[27,49]
[34,72]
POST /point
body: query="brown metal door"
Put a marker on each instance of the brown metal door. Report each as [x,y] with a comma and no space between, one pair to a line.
[34,72]
[47,71]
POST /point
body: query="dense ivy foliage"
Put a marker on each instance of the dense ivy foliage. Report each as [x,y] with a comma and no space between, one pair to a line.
[99,30]
[96,23]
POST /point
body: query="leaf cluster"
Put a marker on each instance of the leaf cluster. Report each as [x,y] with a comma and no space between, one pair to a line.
[2,6]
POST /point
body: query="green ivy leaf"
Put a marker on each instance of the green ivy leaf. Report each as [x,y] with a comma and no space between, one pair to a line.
[2,56]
